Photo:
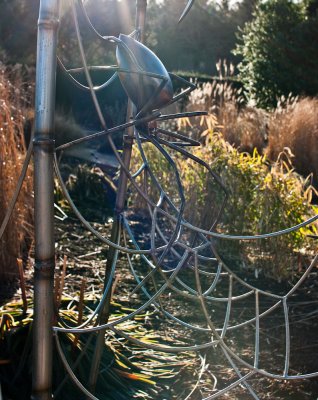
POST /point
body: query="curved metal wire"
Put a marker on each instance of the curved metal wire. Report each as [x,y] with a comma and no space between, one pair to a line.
[17,190]
[169,251]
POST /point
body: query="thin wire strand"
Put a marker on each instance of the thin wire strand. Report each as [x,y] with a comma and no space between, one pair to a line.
[17,190]
[172,247]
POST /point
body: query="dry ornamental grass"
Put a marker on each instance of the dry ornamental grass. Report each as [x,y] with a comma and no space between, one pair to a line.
[12,149]
[295,125]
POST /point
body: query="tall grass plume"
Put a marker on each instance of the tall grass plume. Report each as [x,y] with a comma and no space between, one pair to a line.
[14,102]
[241,125]
[294,125]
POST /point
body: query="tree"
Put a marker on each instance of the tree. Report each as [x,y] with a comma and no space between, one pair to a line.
[279,48]
[18,28]
[207,35]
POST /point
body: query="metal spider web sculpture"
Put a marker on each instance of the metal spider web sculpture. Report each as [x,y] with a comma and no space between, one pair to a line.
[180,257]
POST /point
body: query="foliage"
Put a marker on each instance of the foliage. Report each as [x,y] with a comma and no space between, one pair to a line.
[241,125]
[14,107]
[192,48]
[18,28]
[263,197]
[125,374]
[207,35]
[279,51]
[213,95]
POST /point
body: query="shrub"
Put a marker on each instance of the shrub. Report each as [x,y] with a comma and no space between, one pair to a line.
[13,109]
[263,198]
[279,51]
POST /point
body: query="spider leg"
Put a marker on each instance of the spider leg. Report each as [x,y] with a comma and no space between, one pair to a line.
[179,78]
[92,27]
[108,132]
[186,10]
[165,117]
[190,142]
[184,92]
[212,173]
[180,211]
[112,39]
[182,144]
[69,73]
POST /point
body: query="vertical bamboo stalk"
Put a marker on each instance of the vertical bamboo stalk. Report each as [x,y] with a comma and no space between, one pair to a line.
[62,280]
[22,283]
[80,313]
[44,199]
[141,8]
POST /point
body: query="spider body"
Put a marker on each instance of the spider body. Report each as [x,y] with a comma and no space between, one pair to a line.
[150,90]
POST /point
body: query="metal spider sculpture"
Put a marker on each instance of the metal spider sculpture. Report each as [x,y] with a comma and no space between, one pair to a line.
[149,87]
[175,245]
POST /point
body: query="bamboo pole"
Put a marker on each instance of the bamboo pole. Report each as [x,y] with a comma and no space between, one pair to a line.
[23,286]
[141,9]
[44,199]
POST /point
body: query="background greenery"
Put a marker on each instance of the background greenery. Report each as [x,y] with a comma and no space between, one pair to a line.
[197,43]
[270,48]
[279,50]
[273,43]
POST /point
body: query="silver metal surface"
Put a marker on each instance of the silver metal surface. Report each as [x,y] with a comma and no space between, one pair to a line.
[186,10]
[103,314]
[143,89]
[44,200]
[145,127]
[149,86]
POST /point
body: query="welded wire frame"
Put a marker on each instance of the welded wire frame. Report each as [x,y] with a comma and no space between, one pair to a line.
[184,255]
[201,259]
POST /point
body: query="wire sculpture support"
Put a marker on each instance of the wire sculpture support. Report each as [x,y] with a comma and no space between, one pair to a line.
[195,255]
[141,8]
[43,144]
